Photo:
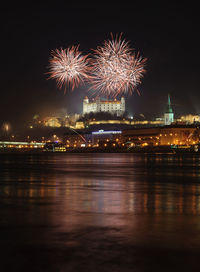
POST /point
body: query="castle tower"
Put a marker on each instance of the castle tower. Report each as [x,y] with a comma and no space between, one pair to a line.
[122,104]
[85,105]
[98,104]
[169,115]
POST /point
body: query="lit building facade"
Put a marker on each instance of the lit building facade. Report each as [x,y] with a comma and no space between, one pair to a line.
[139,137]
[190,119]
[52,122]
[168,135]
[56,122]
[114,107]
[105,137]
[100,138]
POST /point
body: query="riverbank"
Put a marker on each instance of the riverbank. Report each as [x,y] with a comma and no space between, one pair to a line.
[146,149]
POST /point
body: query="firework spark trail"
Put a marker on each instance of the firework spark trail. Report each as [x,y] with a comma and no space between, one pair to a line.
[116,69]
[69,67]
[78,134]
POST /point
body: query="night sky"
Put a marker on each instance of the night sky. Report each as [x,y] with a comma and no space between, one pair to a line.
[167,35]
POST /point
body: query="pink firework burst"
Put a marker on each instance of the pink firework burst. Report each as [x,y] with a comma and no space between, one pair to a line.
[116,68]
[69,67]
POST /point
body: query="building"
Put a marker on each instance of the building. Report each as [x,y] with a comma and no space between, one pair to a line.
[52,122]
[166,135]
[115,136]
[190,119]
[169,115]
[88,138]
[106,136]
[112,106]
[60,121]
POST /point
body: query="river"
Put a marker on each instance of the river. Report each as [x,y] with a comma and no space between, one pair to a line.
[99,212]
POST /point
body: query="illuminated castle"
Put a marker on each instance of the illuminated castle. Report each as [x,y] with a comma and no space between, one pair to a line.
[114,107]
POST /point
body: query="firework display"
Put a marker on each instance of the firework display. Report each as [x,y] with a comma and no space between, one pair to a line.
[116,68]
[113,69]
[68,66]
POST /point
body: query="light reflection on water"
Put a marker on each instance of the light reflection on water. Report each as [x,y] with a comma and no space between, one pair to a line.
[144,200]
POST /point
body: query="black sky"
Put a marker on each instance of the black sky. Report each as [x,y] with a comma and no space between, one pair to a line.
[166,34]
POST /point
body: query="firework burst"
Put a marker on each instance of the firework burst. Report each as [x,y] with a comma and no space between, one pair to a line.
[116,68]
[69,67]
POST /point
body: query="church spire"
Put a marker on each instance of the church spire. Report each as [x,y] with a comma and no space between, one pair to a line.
[169,107]
[169,115]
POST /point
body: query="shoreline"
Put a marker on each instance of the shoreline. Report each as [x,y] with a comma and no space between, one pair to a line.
[149,150]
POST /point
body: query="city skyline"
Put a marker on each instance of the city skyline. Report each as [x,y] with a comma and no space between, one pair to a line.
[166,36]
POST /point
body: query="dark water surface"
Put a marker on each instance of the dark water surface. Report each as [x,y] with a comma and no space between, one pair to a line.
[99,212]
